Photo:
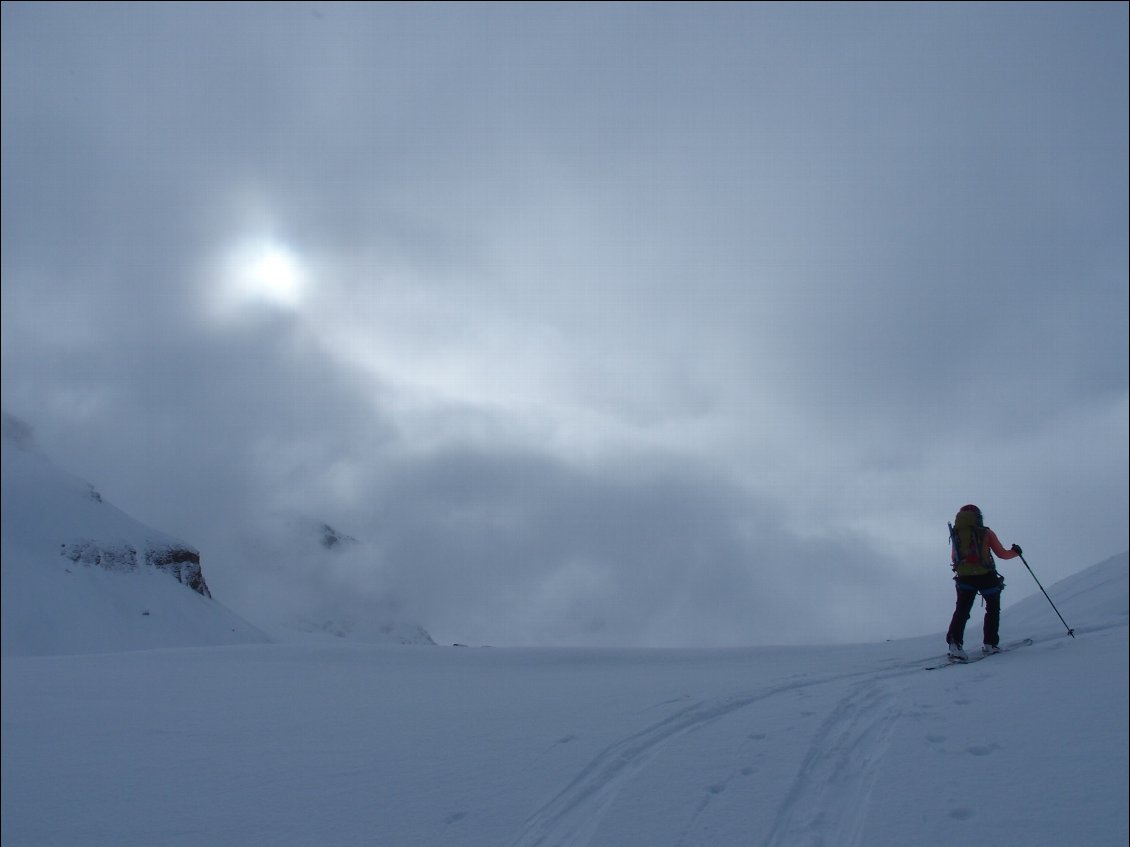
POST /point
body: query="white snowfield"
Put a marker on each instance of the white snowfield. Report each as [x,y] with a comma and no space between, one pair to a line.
[323,742]
[333,743]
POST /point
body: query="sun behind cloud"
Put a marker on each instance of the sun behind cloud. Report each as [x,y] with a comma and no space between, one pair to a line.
[268,272]
[255,274]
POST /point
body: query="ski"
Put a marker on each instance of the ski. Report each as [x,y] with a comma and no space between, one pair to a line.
[976,657]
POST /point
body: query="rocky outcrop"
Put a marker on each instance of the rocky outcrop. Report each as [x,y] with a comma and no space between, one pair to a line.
[112,557]
[331,538]
[180,562]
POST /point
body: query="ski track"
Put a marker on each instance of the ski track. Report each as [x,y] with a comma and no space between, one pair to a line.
[829,792]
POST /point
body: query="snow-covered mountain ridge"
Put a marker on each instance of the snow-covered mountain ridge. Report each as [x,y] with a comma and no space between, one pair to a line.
[80,575]
[45,505]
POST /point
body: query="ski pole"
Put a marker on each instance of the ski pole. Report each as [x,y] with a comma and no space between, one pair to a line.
[1070,631]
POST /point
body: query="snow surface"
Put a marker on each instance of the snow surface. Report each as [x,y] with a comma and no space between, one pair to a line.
[188,726]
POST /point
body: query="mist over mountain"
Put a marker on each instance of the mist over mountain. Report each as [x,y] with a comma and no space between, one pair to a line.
[81,575]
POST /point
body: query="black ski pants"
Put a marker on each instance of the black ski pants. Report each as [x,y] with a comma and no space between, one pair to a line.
[988,586]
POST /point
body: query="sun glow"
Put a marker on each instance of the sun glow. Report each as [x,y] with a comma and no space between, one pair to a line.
[268,272]
[257,274]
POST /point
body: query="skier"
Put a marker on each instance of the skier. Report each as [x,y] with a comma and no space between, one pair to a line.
[975,572]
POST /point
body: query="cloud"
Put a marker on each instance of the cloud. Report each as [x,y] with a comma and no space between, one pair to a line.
[512,546]
[616,324]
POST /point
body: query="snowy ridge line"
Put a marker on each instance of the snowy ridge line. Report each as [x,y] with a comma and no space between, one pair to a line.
[1081,630]
[574,814]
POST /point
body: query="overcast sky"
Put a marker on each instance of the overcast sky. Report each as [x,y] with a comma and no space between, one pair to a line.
[617,324]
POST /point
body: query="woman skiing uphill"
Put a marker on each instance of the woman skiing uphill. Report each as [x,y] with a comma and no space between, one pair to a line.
[975,572]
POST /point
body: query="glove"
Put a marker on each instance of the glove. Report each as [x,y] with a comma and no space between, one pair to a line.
[1016,549]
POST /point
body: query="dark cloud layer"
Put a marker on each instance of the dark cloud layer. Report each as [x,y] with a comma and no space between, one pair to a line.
[618,323]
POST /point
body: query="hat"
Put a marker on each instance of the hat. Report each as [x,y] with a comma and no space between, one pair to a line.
[969,508]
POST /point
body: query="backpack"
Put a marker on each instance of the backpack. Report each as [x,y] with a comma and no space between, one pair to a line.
[967,537]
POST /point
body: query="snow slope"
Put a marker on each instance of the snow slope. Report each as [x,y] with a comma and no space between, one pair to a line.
[336,743]
[53,604]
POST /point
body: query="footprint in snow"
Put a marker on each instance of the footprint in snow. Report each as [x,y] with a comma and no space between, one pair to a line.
[962,814]
[978,750]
